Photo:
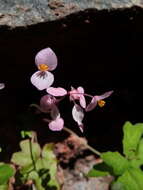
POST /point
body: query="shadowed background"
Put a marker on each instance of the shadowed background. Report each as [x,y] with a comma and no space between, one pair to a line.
[99,50]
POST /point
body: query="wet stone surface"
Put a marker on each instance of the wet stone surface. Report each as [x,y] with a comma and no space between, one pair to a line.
[28,12]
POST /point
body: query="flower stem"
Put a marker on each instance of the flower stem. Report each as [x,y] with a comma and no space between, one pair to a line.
[84,94]
[86,145]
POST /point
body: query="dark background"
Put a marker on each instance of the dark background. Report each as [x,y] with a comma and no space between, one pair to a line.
[99,50]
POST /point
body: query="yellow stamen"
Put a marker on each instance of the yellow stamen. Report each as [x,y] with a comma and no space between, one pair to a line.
[101,103]
[43,67]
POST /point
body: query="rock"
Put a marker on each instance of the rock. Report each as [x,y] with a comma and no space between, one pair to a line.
[76,179]
[28,12]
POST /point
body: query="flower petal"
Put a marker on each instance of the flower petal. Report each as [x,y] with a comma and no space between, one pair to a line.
[47,103]
[42,79]
[47,57]
[92,104]
[78,114]
[80,89]
[2,85]
[55,112]
[56,91]
[56,125]
[82,101]
[105,95]
[81,127]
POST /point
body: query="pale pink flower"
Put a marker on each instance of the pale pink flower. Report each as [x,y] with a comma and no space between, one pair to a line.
[56,91]
[2,86]
[78,94]
[57,124]
[98,100]
[48,105]
[78,115]
[45,60]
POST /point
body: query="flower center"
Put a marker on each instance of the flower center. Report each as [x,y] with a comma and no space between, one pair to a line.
[101,103]
[43,67]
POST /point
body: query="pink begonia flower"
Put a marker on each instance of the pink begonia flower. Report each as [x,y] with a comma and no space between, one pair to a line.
[78,115]
[45,60]
[57,124]
[2,85]
[48,105]
[98,100]
[78,94]
[56,91]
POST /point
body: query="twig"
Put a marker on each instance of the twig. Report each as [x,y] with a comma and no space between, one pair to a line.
[86,145]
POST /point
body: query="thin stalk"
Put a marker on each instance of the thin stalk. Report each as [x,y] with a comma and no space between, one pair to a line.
[84,94]
[86,145]
[30,145]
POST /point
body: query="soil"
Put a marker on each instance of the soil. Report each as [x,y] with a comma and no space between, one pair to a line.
[75,163]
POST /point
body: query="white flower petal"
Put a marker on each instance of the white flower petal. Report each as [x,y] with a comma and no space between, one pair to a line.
[47,57]
[80,89]
[2,85]
[78,114]
[42,80]
[82,101]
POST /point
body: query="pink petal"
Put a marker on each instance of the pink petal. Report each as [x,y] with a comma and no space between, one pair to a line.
[2,85]
[78,114]
[74,95]
[55,112]
[82,101]
[81,127]
[47,57]
[42,80]
[56,91]
[105,95]
[47,102]
[92,104]
[56,125]
[80,90]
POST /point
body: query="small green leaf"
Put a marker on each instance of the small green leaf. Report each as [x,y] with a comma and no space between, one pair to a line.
[29,150]
[138,160]
[117,186]
[116,161]
[132,179]
[6,171]
[132,135]
[49,161]
[4,187]
[100,170]
[26,134]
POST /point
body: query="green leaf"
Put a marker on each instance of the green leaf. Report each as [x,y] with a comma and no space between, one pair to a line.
[132,179]
[29,150]
[4,187]
[116,161]
[132,135]
[49,161]
[38,181]
[99,170]
[97,173]
[36,164]
[138,161]
[26,134]
[117,186]
[6,171]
